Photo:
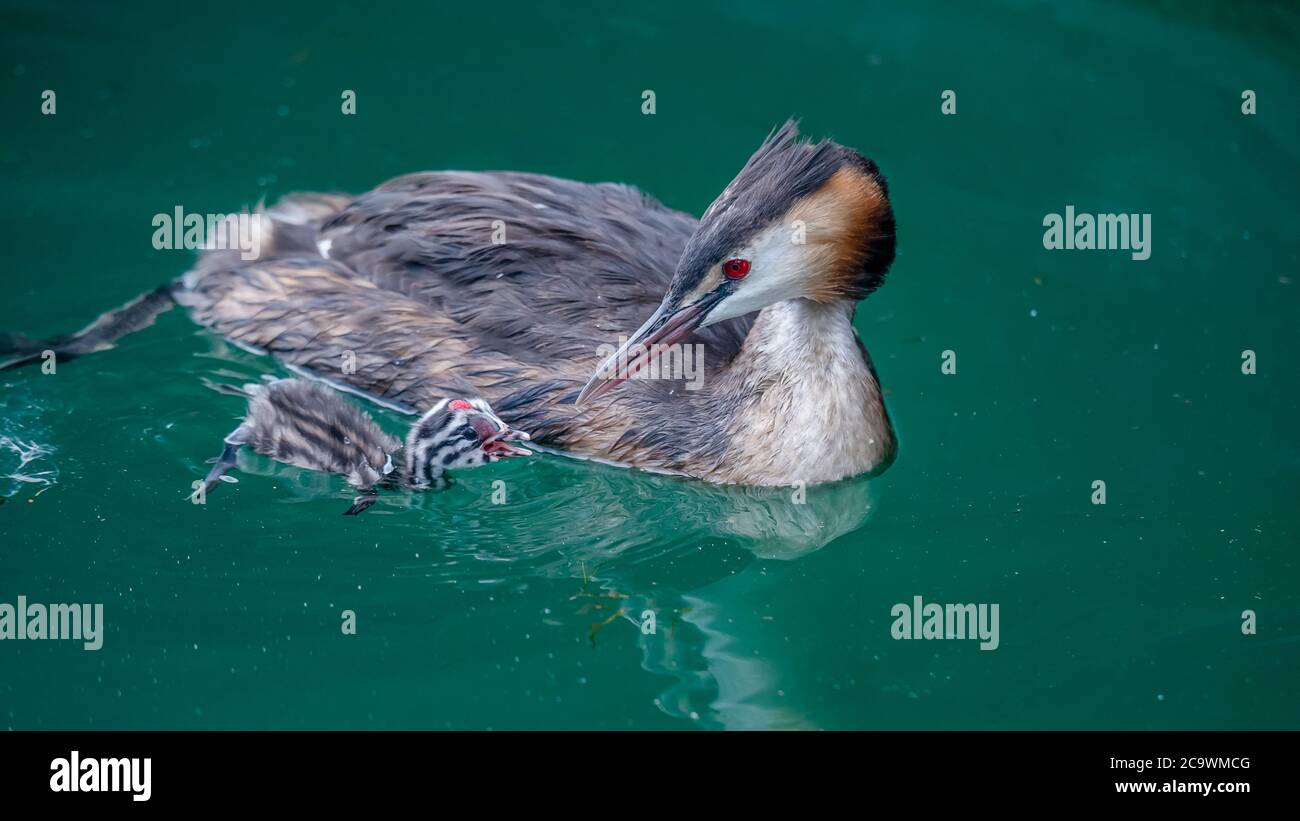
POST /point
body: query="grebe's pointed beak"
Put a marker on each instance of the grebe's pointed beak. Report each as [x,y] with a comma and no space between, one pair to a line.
[497,437]
[668,326]
[501,448]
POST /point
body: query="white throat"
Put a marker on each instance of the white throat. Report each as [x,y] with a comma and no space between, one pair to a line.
[814,411]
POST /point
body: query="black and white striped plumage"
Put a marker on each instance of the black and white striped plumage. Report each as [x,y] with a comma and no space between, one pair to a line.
[307,425]
[456,433]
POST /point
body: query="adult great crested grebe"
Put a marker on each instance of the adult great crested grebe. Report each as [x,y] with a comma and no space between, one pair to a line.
[506,285]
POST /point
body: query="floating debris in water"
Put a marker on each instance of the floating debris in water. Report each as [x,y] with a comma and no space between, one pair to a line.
[596,627]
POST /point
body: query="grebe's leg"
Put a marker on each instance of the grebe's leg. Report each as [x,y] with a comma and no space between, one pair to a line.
[226,460]
[16,349]
[363,501]
[228,389]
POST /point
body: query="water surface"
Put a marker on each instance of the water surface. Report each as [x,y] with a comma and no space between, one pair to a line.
[1072,367]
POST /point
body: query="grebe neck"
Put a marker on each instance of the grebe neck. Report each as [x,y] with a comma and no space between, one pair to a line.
[813,409]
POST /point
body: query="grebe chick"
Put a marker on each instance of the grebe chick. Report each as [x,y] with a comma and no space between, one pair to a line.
[308,425]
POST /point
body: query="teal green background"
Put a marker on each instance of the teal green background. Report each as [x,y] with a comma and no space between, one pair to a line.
[1072,367]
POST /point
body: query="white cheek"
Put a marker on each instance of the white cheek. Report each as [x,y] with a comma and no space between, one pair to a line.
[778,271]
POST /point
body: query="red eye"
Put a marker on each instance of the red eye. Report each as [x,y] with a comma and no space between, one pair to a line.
[735,268]
[459,404]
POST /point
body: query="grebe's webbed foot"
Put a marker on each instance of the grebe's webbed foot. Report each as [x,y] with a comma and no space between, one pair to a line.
[360,504]
[226,388]
[224,463]
[16,349]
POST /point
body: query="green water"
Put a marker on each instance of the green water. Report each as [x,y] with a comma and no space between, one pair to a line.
[1072,367]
